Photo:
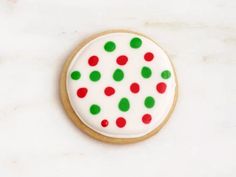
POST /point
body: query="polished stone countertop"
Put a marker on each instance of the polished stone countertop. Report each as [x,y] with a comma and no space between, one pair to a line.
[38,139]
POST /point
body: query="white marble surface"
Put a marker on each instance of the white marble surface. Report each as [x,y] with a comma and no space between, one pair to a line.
[37,138]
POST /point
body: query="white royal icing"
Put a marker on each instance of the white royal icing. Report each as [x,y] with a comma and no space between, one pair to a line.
[134,126]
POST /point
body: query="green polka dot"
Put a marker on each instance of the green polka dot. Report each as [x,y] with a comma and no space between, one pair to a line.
[165,74]
[110,46]
[149,102]
[124,104]
[118,75]
[94,109]
[146,72]
[95,76]
[135,42]
[75,75]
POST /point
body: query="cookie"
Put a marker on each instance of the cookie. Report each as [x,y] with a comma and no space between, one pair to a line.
[118,87]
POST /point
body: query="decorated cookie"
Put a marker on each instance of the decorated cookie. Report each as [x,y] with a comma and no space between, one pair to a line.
[119,87]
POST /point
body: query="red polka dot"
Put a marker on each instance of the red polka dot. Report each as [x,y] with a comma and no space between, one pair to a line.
[148,56]
[134,87]
[104,123]
[122,60]
[146,118]
[109,91]
[120,122]
[161,87]
[82,92]
[93,60]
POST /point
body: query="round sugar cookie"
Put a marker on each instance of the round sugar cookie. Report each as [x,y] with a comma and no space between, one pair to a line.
[118,87]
